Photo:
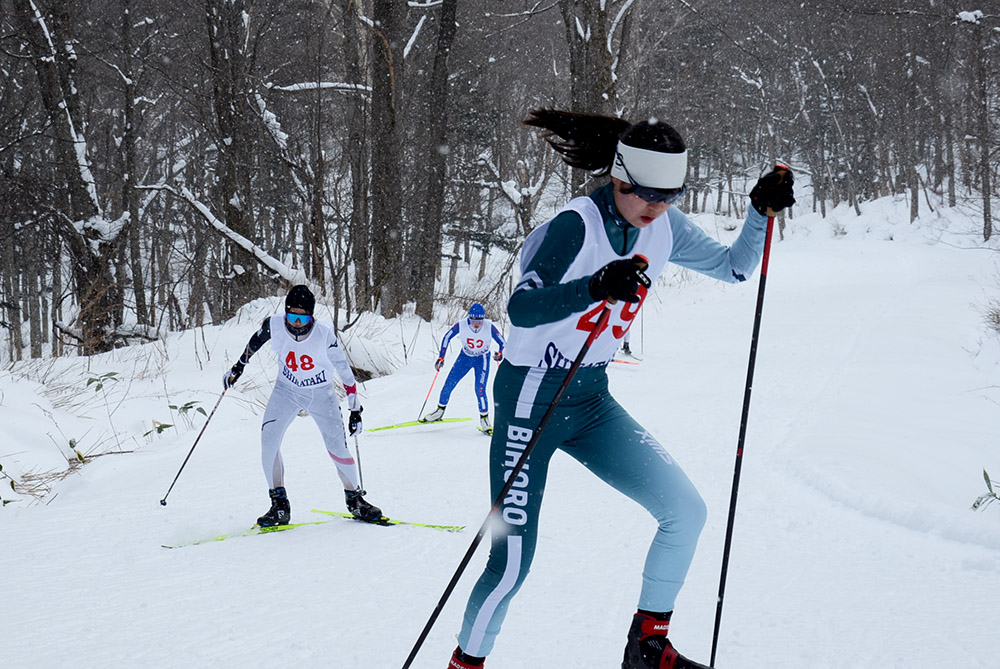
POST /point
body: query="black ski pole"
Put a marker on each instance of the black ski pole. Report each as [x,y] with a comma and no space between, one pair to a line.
[602,322]
[743,421]
[163,502]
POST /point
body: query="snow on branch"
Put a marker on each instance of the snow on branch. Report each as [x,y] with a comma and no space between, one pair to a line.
[616,21]
[97,230]
[324,85]
[871,105]
[136,331]
[122,333]
[280,137]
[292,276]
[509,187]
[271,123]
[970,17]
[79,142]
[755,81]
[413,37]
[527,12]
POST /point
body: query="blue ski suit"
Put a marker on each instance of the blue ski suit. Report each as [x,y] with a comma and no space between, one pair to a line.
[475,355]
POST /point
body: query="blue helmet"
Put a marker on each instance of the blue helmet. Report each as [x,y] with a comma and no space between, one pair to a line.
[476,312]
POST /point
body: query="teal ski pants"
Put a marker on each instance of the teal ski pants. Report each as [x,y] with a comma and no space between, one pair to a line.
[593,428]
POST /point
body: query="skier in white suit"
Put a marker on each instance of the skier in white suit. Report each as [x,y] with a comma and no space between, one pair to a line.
[308,352]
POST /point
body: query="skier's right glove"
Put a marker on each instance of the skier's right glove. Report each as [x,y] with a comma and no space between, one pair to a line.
[438,364]
[620,280]
[773,191]
[229,378]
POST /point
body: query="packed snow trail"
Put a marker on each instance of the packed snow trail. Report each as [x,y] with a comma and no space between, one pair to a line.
[874,412]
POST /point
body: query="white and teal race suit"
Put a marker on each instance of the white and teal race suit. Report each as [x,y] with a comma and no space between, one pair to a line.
[552,312]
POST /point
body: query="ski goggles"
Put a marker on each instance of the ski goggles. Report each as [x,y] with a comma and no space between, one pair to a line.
[475,322]
[298,320]
[651,195]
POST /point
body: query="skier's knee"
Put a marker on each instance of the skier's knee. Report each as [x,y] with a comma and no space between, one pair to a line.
[685,517]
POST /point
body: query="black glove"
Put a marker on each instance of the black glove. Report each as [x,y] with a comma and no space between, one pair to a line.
[229,378]
[619,280]
[354,424]
[438,364]
[773,191]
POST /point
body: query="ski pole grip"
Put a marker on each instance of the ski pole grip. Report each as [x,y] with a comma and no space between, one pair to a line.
[782,170]
[642,264]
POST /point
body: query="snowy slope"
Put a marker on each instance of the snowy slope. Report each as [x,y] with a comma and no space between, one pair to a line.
[875,410]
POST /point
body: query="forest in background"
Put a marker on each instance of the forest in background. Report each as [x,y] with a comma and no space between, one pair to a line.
[163,162]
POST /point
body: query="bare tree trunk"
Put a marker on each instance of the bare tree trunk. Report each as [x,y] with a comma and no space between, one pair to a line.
[82,225]
[386,136]
[317,219]
[32,294]
[950,159]
[12,306]
[427,256]
[196,302]
[130,196]
[453,271]
[234,139]
[55,259]
[357,71]
[983,130]
[592,88]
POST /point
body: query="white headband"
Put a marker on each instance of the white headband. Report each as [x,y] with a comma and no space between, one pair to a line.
[652,169]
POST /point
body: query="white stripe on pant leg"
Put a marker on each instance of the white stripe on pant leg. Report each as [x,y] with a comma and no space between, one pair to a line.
[489,607]
[529,390]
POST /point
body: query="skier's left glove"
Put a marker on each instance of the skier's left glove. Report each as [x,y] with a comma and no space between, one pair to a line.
[354,423]
[498,356]
[773,191]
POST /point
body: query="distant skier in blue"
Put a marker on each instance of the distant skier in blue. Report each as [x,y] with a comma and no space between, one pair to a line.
[474,332]
[595,254]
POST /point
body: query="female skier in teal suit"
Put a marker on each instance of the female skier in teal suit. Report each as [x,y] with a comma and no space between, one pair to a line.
[589,254]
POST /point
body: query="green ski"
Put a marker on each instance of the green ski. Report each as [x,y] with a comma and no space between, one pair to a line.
[391,521]
[412,423]
[256,529]
[337,514]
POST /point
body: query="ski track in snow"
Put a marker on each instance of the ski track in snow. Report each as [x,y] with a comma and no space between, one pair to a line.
[871,420]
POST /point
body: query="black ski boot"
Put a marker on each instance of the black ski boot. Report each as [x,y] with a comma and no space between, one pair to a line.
[280,512]
[360,508]
[459,660]
[649,648]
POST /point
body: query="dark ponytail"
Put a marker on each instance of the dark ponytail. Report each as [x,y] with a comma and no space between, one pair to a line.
[586,141]
[589,141]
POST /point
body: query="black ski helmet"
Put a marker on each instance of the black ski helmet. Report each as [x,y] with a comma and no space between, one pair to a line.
[300,296]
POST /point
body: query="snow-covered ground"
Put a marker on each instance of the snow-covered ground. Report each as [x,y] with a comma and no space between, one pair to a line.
[875,411]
